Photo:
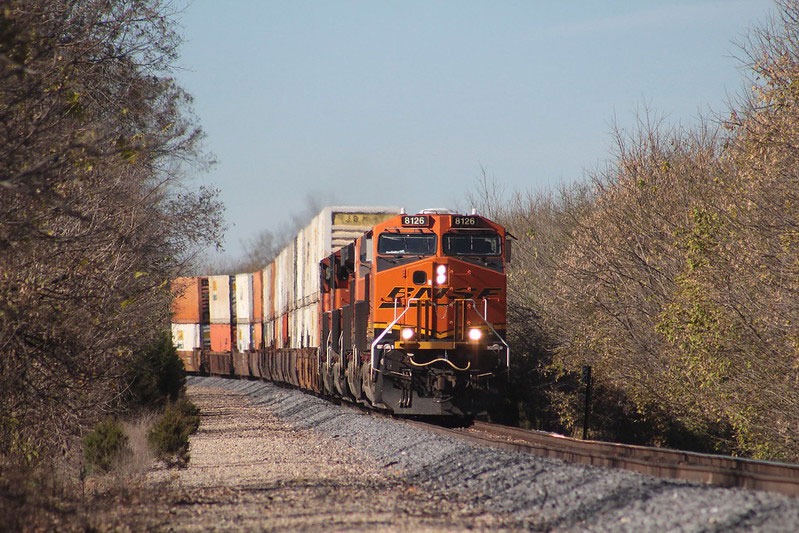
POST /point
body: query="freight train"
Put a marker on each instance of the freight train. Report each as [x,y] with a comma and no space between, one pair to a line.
[399,312]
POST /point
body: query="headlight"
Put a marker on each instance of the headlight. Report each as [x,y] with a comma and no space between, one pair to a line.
[475,334]
[441,274]
[407,333]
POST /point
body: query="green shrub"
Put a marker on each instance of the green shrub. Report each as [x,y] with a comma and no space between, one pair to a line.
[190,411]
[155,375]
[105,444]
[169,437]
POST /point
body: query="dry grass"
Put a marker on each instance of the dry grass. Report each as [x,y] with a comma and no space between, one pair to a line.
[141,457]
[130,468]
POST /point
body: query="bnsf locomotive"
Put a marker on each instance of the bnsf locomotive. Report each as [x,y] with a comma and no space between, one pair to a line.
[400,312]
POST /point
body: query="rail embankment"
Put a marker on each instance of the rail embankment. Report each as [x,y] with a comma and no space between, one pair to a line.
[270,458]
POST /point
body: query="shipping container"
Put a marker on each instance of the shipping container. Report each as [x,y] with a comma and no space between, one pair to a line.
[244,299]
[285,281]
[270,334]
[221,335]
[268,303]
[186,301]
[186,337]
[331,229]
[219,291]
[257,296]
[244,337]
[269,292]
[280,331]
[258,336]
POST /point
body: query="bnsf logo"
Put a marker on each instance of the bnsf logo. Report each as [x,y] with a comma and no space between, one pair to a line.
[460,293]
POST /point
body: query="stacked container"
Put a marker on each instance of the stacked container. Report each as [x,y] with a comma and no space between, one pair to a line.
[258,310]
[187,315]
[221,312]
[277,307]
[244,312]
[269,305]
[291,283]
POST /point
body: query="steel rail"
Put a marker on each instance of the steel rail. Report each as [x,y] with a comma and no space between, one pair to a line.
[721,470]
[711,469]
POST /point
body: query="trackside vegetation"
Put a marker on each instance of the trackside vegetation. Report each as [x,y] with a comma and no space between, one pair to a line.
[105,444]
[672,272]
[156,382]
[96,145]
[169,437]
[155,375]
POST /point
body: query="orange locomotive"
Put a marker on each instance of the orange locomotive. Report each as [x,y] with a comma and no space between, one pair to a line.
[413,314]
[411,317]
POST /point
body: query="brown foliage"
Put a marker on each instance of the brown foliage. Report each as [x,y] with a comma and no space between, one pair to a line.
[95,219]
[673,273]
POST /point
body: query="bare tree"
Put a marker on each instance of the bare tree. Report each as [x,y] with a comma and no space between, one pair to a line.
[261,249]
[94,142]
[674,274]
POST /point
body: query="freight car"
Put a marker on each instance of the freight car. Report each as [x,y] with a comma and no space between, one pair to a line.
[400,312]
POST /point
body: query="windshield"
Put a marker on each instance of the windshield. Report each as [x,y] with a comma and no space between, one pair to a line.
[406,244]
[472,244]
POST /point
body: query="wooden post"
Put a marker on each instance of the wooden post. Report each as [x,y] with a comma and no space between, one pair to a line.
[587,407]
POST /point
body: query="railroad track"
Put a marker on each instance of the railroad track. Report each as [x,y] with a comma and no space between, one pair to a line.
[718,470]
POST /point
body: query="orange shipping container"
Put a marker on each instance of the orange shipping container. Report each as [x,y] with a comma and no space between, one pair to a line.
[258,296]
[186,307]
[221,335]
[257,336]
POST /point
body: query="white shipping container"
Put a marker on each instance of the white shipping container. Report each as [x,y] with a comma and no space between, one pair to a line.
[308,330]
[279,292]
[295,288]
[186,337]
[284,279]
[244,302]
[219,299]
[267,295]
[296,328]
[269,334]
[279,333]
[301,286]
[331,229]
[244,337]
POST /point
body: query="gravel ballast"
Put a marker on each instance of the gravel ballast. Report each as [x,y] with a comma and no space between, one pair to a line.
[350,470]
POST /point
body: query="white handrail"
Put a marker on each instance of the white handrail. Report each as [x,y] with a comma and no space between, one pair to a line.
[388,328]
[507,346]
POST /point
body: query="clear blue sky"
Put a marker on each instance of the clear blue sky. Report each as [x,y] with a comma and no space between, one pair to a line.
[402,102]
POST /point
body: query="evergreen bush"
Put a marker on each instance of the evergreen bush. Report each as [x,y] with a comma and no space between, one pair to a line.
[169,437]
[155,374]
[105,444]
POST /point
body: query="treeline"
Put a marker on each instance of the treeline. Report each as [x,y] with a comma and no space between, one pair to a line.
[95,140]
[674,273]
[259,250]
